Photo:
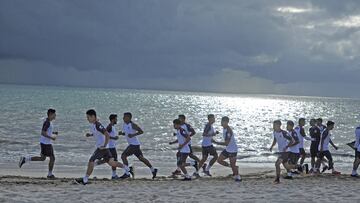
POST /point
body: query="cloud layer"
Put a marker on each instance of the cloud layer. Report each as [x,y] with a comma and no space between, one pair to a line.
[276,47]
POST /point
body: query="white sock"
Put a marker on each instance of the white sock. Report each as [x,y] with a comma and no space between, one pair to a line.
[289,174]
[28,159]
[152,169]
[114,173]
[178,169]
[127,169]
[50,173]
[237,177]
[85,179]
[187,176]
[353,172]
[208,167]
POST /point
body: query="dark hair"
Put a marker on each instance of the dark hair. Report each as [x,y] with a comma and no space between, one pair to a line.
[225,119]
[112,117]
[182,116]
[278,122]
[211,116]
[127,114]
[330,123]
[291,123]
[50,111]
[91,112]
[301,119]
[320,120]
[313,120]
[177,122]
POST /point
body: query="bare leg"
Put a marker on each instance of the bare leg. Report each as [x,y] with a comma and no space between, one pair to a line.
[193,156]
[124,159]
[234,168]
[90,168]
[221,160]
[202,161]
[145,161]
[51,163]
[38,158]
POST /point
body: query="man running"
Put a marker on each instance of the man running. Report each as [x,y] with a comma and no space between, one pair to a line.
[131,131]
[102,151]
[284,141]
[207,146]
[300,131]
[183,139]
[230,152]
[314,147]
[46,138]
[324,148]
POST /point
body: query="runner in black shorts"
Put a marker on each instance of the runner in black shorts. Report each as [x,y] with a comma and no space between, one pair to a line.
[314,147]
[46,138]
[207,146]
[102,152]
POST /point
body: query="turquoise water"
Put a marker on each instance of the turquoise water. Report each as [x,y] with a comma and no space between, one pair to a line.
[23,107]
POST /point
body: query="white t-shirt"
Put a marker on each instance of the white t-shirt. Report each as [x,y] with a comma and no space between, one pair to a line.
[98,130]
[181,137]
[300,134]
[48,127]
[282,140]
[112,132]
[294,136]
[357,139]
[232,146]
[209,131]
[128,129]
[188,129]
[325,143]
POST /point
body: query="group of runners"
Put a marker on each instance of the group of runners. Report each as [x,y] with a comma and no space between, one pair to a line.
[291,152]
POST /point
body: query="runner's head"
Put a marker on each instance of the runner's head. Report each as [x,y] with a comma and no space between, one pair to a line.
[312,122]
[319,121]
[91,115]
[182,118]
[127,117]
[113,118]
[301,121]
[330,125]
[177,124]
[51,113]
[225,121]
[211,118]
[277,125]
[290,125]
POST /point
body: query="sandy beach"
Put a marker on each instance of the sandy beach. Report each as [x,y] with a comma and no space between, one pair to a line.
[257,187]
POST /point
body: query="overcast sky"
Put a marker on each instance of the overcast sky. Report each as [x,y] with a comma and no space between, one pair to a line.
[238,46]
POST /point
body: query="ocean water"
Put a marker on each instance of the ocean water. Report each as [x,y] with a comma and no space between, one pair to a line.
[24,107]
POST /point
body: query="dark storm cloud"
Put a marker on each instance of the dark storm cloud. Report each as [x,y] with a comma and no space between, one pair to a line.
[283,47]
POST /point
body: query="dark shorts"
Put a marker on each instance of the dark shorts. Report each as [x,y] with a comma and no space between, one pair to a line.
[284,156]
[209,150]
[101,154]
[294,158]
[113,153]
[47,150]
[314,149]
[357,154]
[302,151]
[227,154]
[181,158]
[133,150]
